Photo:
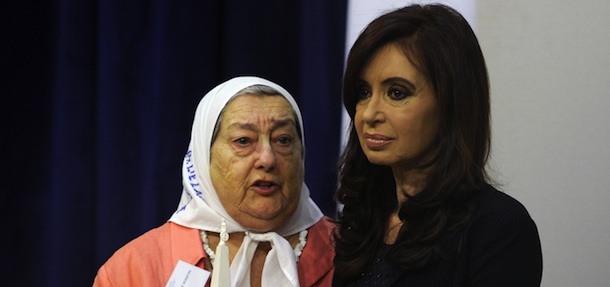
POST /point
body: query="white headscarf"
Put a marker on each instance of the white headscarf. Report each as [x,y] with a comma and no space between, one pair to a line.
[200,206]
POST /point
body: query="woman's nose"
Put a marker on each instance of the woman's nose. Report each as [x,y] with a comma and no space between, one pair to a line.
[372,111]
[266,156]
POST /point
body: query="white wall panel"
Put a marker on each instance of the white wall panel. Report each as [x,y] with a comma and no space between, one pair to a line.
[549,64]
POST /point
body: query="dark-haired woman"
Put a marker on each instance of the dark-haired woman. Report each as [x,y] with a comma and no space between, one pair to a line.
[418,207]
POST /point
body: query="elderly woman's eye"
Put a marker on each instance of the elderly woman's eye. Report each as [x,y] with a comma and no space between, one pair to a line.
[284,140]
[242,141]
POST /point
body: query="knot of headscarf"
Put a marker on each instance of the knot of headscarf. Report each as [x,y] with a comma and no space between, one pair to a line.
[201,208]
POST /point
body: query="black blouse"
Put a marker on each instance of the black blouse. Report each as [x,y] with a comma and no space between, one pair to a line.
[501,248]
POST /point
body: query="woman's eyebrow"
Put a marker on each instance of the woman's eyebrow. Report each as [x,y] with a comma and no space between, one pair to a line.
[244,126]
[284,122]
[400,80]
[253,127]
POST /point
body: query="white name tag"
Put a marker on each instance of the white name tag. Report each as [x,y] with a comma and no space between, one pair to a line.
[187,275]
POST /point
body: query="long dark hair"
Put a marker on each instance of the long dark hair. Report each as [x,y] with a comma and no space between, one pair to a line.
[440,44]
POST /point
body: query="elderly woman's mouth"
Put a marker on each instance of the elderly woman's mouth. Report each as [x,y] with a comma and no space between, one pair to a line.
[265,187]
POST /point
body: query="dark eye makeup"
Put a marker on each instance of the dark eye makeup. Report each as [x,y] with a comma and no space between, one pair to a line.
[398,93]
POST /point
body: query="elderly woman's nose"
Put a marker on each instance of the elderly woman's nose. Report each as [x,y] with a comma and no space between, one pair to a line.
[266,156]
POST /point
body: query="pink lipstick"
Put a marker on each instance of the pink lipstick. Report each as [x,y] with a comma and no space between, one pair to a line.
[376,141]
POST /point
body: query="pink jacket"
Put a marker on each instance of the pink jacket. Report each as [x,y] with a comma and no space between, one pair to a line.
[150,259]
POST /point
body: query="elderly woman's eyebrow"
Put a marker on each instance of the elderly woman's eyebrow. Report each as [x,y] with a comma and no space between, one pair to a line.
[253,127]
[284,122]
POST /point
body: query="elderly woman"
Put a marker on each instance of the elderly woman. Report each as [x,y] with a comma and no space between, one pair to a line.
[243,197]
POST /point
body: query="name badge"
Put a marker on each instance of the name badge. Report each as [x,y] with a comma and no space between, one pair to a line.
[187,275]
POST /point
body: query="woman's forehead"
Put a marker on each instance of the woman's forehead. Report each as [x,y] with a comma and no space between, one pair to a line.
[256,102]
[256,108]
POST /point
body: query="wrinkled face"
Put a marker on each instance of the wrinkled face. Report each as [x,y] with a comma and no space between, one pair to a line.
[396,115]
[256,163]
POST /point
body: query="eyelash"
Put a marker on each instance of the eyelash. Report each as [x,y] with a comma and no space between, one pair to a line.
[402,93]
[242,141]
[361,91]
[282,140]
[364,92]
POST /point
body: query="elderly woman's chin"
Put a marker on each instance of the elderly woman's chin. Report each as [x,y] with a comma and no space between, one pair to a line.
[264,214]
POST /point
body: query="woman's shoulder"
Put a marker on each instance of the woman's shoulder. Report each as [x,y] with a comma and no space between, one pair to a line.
[323,230]
[503,242]
[325,224]
[493,204]
[150,256]
[146,242]
[500,216]
[155,241]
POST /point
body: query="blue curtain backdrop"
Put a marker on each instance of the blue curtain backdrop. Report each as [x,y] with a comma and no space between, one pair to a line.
[97,103]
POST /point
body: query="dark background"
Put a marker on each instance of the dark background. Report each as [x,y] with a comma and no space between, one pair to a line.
[97,99]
